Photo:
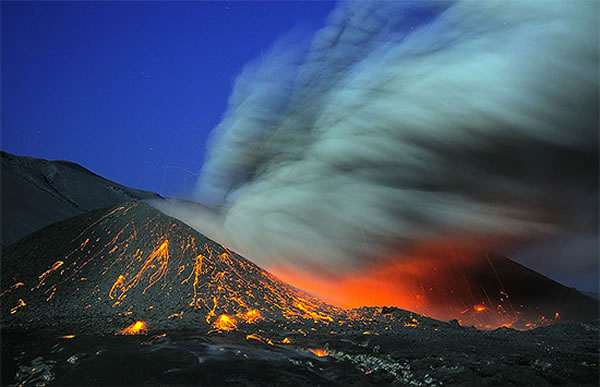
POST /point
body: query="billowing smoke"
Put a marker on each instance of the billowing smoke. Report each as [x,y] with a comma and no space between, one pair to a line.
[410,121]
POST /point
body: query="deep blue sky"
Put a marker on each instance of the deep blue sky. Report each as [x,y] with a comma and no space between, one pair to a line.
[131,90]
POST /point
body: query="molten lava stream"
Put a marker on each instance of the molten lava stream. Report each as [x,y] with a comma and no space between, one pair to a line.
[137,328]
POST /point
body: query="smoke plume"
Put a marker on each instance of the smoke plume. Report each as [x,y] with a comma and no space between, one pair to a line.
[405,122]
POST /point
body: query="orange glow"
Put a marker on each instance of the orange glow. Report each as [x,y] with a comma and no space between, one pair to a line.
[286,341]
[67,336]
[439,281]
[319,352]
[556,316]
[180,315]
[45,274]
[12,288]
[20,304]
[225,323]
[158,260]
[137,328]
[309,312]
[212,311]
[250,316]
[259,338]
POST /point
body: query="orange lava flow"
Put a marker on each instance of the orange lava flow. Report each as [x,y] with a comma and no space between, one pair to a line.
[20,304]
[250,316]
[137,328]
[319,352]
[225,323]
[154,267]
[45,274]
[254,336]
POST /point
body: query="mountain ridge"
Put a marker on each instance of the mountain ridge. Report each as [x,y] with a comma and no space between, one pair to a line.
[38,192]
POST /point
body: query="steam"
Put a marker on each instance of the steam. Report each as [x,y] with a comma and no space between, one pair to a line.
[405,122]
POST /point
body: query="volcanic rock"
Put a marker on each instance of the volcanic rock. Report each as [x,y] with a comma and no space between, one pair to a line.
[111,267]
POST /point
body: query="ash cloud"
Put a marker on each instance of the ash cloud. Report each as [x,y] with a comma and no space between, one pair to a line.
[405,122]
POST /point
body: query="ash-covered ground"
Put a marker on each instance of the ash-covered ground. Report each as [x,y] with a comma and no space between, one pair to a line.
[379,346]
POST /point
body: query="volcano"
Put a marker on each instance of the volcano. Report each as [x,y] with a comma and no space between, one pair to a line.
[111,267]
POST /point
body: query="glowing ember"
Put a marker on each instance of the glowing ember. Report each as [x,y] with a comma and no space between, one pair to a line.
[67,336]
[319,352]
[20,304]
[286,341]
[259,338]
[137,328]
[180,315]
[225,323]
[250,316]
[12,288]
[479,308]
[45,274]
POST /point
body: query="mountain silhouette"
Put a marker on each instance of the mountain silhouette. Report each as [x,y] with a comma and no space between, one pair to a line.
[38,192]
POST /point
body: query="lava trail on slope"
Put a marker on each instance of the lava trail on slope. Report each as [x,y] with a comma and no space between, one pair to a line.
[106,269]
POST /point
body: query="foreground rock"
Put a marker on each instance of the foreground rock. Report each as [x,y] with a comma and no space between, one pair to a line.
[399,349]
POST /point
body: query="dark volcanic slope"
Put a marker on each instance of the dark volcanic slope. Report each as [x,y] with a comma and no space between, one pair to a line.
[113,266]
[37,192]
[486,290]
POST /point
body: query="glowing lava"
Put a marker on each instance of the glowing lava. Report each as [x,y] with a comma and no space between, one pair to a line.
[319,352]
[225,323]
[19,305]
[137,328]
[250,316]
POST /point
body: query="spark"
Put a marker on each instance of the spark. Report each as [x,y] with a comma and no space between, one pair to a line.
[479,308]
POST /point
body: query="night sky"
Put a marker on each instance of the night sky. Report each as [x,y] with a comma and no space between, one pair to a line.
[131,90]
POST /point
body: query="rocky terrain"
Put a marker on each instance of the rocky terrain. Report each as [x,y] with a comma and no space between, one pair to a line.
[399,348]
